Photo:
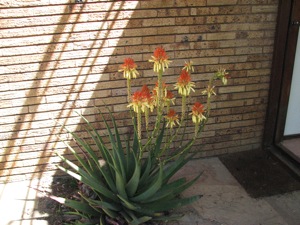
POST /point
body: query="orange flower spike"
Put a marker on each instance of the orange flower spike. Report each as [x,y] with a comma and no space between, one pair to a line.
[141,100]
[172,119]
[129,69]
[147,98]
[160,54]
[154,92]
[160,59]
[197,113]
[170,97]
[184,84]
[137,101]
[184,78]
[145,89]
[136,104]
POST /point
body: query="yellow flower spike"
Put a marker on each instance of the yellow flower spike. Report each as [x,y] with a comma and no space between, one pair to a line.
[197,113]
[184,84]
[169,97]
[137,101]
[160,60]
[141,100]
[155,92]
[129,69]
[172,119]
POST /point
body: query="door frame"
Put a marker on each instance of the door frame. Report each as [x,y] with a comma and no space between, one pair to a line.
[282,71]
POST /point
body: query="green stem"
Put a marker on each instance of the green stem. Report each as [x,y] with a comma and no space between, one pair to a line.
[183,109]
[159,103]
[168,107]
[187,147]
[159,92]
[128,90]
[183,117]
[208,103]
[169,141]
[199,130]
[196,130]
[147,118]
[139,123]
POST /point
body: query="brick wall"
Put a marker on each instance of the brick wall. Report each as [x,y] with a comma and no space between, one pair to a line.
[58,57]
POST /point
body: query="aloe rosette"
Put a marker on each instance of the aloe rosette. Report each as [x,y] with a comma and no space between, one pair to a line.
[132,181]
[126,188]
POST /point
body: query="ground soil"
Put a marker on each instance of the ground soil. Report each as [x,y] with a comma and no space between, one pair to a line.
[261,173]
[60,187]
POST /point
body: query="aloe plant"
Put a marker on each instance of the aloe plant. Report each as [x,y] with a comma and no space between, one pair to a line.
[135,183]
[126,188]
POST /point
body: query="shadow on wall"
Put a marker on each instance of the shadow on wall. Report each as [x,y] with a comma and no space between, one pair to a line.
[106,52]
[58,91]
[72,75]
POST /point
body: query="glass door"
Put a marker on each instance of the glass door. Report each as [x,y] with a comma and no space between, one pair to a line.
[292,124]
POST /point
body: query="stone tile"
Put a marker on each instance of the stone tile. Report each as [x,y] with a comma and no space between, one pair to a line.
[213,172]
[18,201]
[230,205]
[287,205]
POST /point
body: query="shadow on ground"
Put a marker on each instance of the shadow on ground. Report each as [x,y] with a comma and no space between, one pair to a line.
[61,187]
[260,173]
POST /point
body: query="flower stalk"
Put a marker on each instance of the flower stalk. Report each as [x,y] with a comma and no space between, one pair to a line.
[183,108]
[139,122]
[128,90]
[159,92]
[147,118]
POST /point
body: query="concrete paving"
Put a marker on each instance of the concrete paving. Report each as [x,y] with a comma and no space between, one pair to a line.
[224,201]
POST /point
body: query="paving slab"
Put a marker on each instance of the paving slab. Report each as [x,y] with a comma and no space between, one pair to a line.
[287,206]
[19,204]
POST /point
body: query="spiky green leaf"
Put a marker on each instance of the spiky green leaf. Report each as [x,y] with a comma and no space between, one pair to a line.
[173,204]
[167,189]
[146,172]
[158,142]
[83,207]
[81,175]
[140,220]
[132,185]
[152,189]
[120,184]
[128,204]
